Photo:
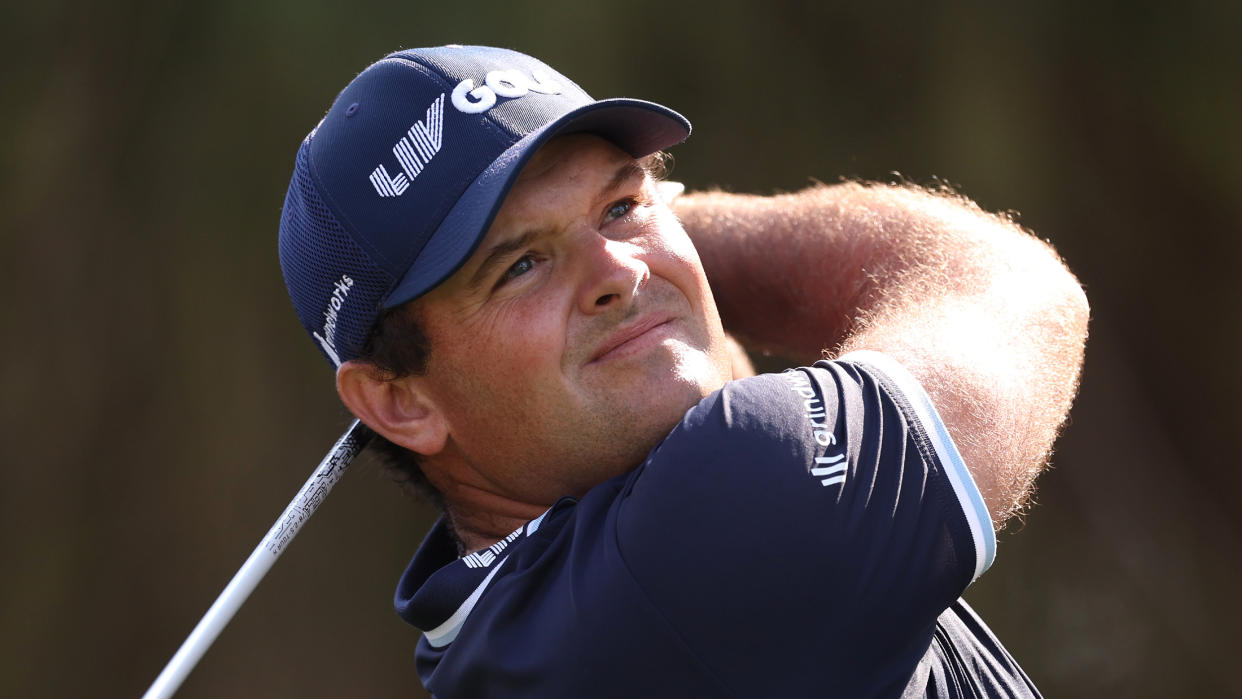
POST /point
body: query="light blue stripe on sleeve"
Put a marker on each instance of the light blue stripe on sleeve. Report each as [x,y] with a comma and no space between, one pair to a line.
[964,487]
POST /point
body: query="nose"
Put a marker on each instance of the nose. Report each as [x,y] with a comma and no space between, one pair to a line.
[613,272]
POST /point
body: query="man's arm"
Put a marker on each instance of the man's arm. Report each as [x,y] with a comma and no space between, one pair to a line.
[985,316]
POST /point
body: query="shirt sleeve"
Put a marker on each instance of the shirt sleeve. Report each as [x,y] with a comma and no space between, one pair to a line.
[821,517]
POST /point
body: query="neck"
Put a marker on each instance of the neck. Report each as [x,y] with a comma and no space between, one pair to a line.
[480,511]
[477,529]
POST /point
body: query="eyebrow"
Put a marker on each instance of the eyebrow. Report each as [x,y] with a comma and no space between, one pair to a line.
[628,170]
[501,251]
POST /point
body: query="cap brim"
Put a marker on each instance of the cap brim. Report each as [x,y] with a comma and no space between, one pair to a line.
[636,126]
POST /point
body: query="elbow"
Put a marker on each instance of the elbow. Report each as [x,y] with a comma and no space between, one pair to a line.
[1066,311]
[1074,306]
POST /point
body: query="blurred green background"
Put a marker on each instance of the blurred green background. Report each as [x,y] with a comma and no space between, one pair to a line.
[161,404]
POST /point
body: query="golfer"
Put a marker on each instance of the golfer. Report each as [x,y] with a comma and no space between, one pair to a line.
[535,326]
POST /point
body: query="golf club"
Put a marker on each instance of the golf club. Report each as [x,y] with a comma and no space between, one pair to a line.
[308,499]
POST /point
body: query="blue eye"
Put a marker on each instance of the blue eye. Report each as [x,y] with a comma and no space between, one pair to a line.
[524,264]
[619,209]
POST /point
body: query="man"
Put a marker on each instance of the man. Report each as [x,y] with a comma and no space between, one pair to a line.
[484,254]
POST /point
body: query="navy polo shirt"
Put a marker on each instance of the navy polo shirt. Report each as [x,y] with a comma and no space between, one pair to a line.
[807,533]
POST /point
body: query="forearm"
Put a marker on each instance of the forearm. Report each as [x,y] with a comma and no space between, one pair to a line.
[984,315]
[778,266]
[796,274]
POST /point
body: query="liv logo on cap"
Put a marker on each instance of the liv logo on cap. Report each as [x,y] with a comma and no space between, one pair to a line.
[392,191]
[415,149]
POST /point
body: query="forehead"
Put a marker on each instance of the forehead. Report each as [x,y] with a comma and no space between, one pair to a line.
[576,159]
[565,177]
[567,174]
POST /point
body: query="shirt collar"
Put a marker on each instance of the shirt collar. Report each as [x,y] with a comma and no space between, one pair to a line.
[438,590]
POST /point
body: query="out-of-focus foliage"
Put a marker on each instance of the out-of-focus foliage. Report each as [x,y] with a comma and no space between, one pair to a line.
[159,403]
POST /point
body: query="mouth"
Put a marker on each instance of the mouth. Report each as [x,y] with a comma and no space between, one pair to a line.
[633,338]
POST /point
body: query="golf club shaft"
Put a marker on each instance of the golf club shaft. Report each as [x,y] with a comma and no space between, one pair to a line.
[308,499]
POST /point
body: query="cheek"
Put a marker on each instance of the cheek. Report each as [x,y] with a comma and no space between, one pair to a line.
[513,340]
[676,259]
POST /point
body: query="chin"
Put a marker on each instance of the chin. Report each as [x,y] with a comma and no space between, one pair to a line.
[637,419]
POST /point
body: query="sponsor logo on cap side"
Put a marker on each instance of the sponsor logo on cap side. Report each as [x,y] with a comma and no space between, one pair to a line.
[414,151]
[328,340]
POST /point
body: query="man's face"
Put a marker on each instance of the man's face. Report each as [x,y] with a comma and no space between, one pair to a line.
[579,332]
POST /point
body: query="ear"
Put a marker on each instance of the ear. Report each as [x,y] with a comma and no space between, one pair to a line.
[398,409]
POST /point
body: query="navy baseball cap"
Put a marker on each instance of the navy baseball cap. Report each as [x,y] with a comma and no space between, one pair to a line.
[397,185]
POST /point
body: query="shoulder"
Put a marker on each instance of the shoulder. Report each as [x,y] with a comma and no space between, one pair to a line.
[847,458]
[796,416]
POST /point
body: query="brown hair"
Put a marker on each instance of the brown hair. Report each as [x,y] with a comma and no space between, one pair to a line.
[397,347]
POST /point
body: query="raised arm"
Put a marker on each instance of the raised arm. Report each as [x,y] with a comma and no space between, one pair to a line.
[983,314]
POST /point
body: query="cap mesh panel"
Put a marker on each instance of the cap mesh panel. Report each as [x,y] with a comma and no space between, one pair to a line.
[317,253]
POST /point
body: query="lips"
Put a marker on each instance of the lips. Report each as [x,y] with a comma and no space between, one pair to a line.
[626,336]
